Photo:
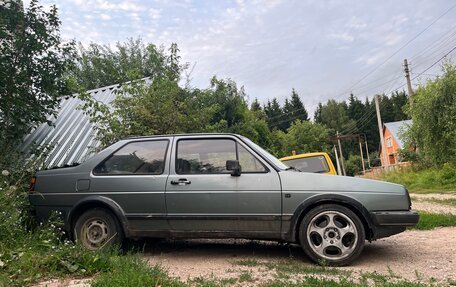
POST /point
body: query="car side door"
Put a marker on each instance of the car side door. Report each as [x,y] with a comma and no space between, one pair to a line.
[135,176]
[203,196]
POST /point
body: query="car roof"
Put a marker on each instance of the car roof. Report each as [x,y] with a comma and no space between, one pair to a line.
[182,135]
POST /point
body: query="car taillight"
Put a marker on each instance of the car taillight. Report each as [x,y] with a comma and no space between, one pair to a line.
[32,184]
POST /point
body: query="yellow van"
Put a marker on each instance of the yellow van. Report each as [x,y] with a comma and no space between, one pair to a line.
[316,162]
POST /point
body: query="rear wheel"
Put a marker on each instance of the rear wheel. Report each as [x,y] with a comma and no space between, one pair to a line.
[333,234]
[98,228]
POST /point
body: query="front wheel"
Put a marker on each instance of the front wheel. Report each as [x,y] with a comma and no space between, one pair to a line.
[333,234]
[98,228]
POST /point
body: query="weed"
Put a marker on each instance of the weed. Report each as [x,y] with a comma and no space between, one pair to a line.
[245,276]
[295,267]
[130,270]
[419,276]
[247,262]
[209,282]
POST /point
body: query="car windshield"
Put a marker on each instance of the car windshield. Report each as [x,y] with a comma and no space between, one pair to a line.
[265,153]
[315,164]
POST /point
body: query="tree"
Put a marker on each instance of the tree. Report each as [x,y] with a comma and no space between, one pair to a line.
[255,106]
[399,101]
[33,60]
[296,108]
[356,109]
[317,114]
[275,116]
[100,65]
[160,107]
[434,118]
[334,116]
[305,136]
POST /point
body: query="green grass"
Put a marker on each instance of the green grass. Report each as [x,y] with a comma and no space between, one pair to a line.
[433,220]
[380,281]
[432,180]
[247,262]
[208,282]
[246,276]
[285,267]
[130,270]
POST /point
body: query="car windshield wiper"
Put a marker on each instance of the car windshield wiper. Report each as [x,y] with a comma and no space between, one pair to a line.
[292,168]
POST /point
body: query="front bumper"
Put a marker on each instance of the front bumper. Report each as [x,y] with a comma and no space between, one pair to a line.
[387,223]
[395,218]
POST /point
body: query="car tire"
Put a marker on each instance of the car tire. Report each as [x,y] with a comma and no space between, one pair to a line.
[332,234]
[98,228]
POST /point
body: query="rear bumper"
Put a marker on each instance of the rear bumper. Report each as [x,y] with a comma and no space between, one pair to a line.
[387,223]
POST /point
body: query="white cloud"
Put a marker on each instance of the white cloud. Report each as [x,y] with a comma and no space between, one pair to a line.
[154,13]
[344,36]
[105,17]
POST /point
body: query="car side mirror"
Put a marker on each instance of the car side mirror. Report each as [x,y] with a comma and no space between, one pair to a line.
[234,167]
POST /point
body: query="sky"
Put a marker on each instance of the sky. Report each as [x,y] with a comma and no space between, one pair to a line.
[322,49]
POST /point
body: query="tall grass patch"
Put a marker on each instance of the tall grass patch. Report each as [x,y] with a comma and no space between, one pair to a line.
[430,180]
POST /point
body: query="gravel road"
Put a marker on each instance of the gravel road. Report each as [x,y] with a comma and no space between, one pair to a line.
[414,255]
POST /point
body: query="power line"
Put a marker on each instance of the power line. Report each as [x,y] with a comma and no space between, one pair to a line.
[402,47]
[436,44]
[435,63]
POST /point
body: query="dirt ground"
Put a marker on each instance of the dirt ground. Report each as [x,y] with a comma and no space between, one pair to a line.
[415,255]
[424,202]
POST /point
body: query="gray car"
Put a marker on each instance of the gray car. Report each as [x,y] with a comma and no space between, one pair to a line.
[217,186]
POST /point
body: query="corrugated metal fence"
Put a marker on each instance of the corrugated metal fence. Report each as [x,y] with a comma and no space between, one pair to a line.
[72,136]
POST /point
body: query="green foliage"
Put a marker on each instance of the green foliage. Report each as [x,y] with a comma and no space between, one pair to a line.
[161,107]
[334,116]
[306,136]
[433,220]
[294,109]
[100,65]
[434,118]
[30,252]
[353,166]
[33,60]
[426,180]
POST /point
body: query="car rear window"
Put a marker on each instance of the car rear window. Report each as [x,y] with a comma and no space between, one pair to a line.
[145,157]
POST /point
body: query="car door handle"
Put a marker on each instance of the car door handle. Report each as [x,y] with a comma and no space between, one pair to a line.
[181,181]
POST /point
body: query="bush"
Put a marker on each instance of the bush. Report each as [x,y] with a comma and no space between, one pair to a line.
[31,252]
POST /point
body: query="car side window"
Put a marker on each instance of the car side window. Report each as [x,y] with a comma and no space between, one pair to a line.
[248,162]
[204,156]
[146,157]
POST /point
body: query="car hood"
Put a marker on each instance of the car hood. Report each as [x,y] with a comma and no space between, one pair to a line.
[294,181]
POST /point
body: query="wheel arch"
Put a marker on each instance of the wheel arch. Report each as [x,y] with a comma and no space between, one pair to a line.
[342,200]
[93,202]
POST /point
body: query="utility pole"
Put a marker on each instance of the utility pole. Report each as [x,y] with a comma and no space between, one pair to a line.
[407,78]
[341,155]
[361,152]
[367,151]
[339,172]
[380,130]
